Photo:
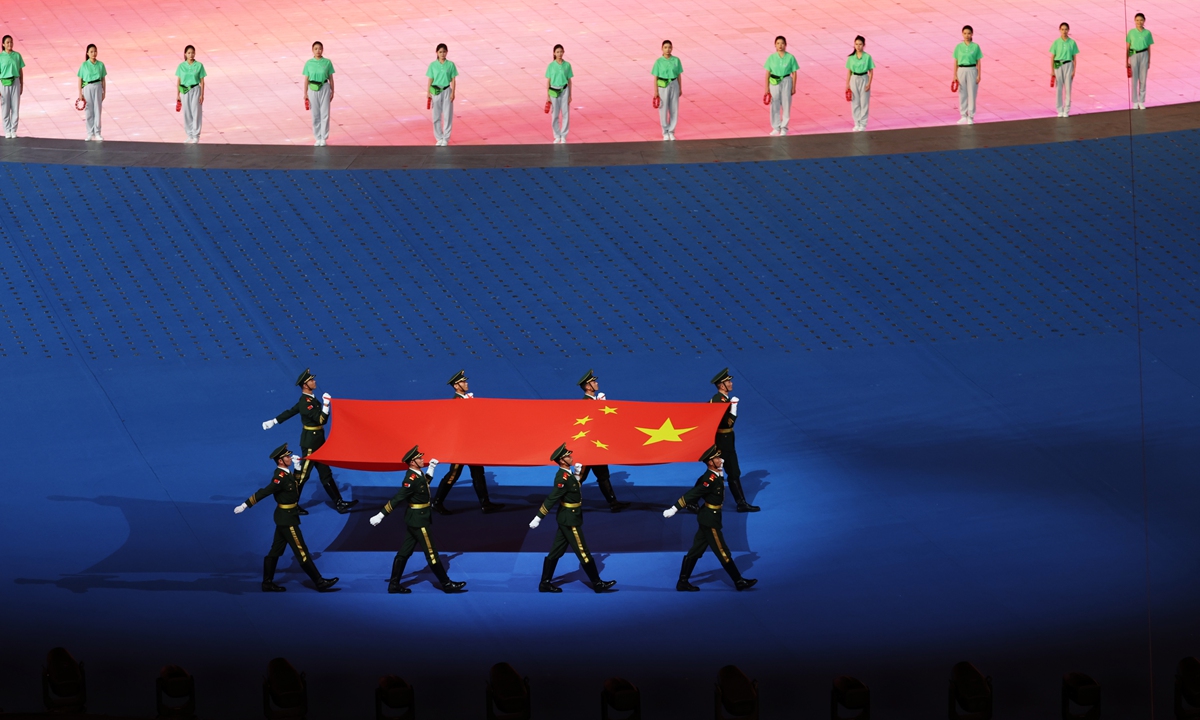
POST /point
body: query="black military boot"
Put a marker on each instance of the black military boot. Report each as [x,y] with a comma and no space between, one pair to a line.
[342,506]
[685,573]
[268,583]
[439,499]
[448,585]
[322,584]
[394,586]
[606,489]
[594,575]
[479,481]
[735,489]
[546,585]
[739,582]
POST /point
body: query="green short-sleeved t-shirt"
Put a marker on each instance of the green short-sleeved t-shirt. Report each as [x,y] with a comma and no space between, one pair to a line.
[667,68]
[189,75]
[860,65]
[1139,40]
[11,64]
[965,54]
[442,72]
[780,66]
[559,74]
[318,70]
[1064,50]
[92,71]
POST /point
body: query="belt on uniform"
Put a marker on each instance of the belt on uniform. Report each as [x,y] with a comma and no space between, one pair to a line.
[310,427]
[572,505]
[287,507]
[418,506]
[712,507]
[725,430]
[854,73]
[971,65]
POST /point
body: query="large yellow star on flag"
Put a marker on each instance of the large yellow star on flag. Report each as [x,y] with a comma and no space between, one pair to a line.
[666,433]
[600,445]
[609,410]
[583,420]
[582,433]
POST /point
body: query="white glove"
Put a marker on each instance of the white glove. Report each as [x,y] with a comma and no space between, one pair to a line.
[470,395]
[270,424]
[601,396]
[297,462]
[733,406]
[733,400]
[376,519]
[537,520]
[326,398]
[240,508]
[578,468]
[670,512]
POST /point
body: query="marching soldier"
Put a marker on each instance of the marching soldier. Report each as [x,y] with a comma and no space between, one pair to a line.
[591,391]
[312,436]
[710,489]
[725,440]
[478,476]
[570,525]
[417,519]
[286,489]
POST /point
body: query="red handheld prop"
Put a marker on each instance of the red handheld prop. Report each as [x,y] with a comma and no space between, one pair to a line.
[1052,80]
[547,108]
[656,102]
[428,102]
[767,99]
[178,105]
[849,95]
[1128,72]
[80,107]
[307,104]
[954,86]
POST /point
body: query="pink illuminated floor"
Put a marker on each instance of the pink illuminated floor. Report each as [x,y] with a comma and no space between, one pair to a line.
[254,52]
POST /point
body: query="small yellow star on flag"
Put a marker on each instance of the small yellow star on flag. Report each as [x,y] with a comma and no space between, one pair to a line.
[581,434]
[600,445]
[609,410]
[583,420]
[666,433]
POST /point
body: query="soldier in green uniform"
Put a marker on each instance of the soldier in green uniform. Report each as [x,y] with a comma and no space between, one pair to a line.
[478,477]
[286,489]
[313,417]
[570,525]
[417,520]
[725,440]
[591,391]
[710,489]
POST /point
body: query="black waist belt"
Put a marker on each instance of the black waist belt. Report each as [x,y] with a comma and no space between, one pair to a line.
[1060,63]
[188,87]
[90,82]
[776,77]
[854,73]
[971,65]
[558,90]
[439,88]
[1138,52]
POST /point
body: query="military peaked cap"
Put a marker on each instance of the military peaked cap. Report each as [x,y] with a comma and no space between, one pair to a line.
[587,378]
[721,377]
[457,377]
[559,452]
[304,377]
[710,453]
[412,454]
[279,452]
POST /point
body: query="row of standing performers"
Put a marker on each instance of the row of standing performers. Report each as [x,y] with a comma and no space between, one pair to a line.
[441,85]
[292,471]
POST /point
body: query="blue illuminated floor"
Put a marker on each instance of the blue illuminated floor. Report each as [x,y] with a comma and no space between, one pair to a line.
[959,451]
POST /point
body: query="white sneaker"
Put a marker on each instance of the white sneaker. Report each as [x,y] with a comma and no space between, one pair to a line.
[1141,106]
[99,139]
[1067,112]
[970,121]
[774,132]
[666,136]
[781,132]
[672,136]
[962,121]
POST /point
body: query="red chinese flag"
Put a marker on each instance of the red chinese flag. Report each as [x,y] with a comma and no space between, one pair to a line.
[375,434]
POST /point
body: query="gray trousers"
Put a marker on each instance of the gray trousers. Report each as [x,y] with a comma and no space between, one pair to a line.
[560,114]
[781,103]
[93,95]
[443,115]
[193,113]
[968,88]
[318,100]
[668,106]
[10,98]
[860,100]
[1062,83]
[1140,64]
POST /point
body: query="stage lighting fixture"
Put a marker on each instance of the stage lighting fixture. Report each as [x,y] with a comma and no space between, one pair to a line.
[507,694]
[1084,692]
[394,699]
[851,694]
[64,685]
[736,695]
[970,691]
[175,693]
[1187,689]
[285,691]
[621,696]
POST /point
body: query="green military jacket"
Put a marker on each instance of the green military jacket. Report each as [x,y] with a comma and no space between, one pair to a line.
[415,493]
[309,410]
[286,489]
[726,426]
[710,490]
[566,492]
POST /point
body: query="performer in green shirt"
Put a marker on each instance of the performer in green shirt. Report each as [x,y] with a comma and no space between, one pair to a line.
[1064,61]
[1137,60]
[780,85]
[12,84]
[860,73]
[441,87]
[92,87]
[968,72]
[567,496]
[189,91]
[318,91]
[668,88]
[558,91]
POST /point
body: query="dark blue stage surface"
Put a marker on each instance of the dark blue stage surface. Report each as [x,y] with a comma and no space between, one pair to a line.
[959,451]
